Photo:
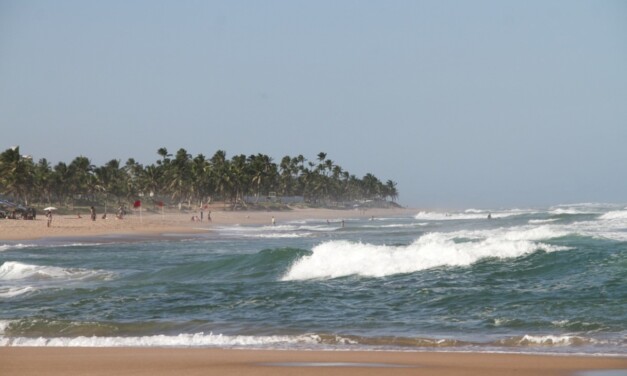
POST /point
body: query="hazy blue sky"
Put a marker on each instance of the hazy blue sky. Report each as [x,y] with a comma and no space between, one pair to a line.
[463,103]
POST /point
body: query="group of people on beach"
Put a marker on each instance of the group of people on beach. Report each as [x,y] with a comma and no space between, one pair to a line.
[202,214]
[92,214]
[19,213]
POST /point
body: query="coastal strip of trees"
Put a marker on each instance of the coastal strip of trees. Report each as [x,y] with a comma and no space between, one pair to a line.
[181,178]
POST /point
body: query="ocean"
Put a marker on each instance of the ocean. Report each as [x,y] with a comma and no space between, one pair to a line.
[543,280]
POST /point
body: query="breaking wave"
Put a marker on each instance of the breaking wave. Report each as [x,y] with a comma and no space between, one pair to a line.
[312,341]
[340,258]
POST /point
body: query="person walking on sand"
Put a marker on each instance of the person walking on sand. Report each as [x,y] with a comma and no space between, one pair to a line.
[49,217]
[93,213]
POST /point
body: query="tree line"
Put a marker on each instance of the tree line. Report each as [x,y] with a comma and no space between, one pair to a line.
[183,178]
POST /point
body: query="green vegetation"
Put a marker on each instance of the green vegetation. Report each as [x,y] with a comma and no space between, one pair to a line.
[184,179]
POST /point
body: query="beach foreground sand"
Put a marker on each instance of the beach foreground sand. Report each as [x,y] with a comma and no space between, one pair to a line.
[189,362]
[149,223]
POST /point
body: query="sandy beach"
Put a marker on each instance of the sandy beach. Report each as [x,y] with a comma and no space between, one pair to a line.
[188,362]
[150,223]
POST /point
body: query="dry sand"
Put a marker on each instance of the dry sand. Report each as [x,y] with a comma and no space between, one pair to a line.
[170,222]
[188,362]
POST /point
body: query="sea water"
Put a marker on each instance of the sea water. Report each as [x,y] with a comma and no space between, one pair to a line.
[549,280]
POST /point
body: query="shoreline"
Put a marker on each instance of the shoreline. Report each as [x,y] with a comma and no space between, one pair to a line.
[156,225]
[190,362]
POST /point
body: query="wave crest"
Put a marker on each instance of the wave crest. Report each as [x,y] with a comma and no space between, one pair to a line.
[340,258]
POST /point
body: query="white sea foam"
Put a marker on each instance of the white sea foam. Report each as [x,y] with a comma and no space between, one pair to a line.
[281,236]
[10,292]
[397,225]
[553,340]
[321,228]
[468,214]
[341,258]
[610,225]
[279,231]
[445,216]
[12,270]
[528,232]
[540,221]
[181,340]
[582,208]
[4,324]
[501,322]
[568,211]
[613,215]
[10,247]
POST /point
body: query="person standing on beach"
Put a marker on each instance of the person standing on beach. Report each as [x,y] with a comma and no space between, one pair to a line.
[49,217]
[273,221]
[93,213]
[209,216]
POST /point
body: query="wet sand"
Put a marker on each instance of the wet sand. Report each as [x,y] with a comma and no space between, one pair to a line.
[188,362]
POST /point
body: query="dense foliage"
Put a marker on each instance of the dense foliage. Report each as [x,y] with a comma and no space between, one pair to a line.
[182,178]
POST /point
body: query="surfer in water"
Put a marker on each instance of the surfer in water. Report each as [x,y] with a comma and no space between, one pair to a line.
[489,215]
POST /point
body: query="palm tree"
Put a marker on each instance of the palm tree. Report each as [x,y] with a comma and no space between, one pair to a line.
[61,182]
[202,186]
[113,180]
[306,178]
[80,173]
[133,173]
[285,176]
[16,174]
[178,177]
[163,152]
[220,174]
[238,177]
[263,172]
[186,179]
[391,190]
[371,186]
[151,180]
[42,181]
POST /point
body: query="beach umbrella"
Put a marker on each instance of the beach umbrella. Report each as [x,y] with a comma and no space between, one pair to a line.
[50,208]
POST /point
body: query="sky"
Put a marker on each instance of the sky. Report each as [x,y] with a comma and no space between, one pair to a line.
[464,104]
